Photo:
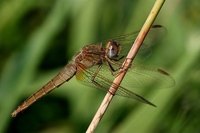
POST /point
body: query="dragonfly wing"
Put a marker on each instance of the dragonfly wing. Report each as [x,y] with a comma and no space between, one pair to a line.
[85,76]
[155,35]
[121,91]
[142,76]
[103,81]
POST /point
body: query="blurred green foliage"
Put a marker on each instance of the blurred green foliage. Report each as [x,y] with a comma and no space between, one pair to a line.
[38,37]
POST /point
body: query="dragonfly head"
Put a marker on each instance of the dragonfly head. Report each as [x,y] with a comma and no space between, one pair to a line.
[113,49]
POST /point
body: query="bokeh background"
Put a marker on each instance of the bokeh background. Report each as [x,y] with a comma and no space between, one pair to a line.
[38,37]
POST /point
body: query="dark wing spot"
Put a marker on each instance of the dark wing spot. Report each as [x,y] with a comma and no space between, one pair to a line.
[163,72]
[157,26]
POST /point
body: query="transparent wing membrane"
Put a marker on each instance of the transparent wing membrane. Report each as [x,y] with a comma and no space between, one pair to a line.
[139,76]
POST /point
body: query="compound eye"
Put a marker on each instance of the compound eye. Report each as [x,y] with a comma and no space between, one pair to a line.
[112,49]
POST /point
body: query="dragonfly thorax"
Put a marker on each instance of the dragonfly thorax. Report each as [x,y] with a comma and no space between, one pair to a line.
[90,55]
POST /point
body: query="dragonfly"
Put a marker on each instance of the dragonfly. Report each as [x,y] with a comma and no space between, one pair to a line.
[96,65]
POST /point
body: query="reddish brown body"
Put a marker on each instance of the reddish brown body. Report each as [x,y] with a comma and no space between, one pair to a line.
[87,57]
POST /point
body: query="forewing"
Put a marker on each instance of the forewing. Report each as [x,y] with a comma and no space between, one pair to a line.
[155,34]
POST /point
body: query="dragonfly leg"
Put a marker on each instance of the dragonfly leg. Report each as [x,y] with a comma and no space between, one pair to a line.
[114,62]
[119,58]
[123,68]
[96,83]
[112,70]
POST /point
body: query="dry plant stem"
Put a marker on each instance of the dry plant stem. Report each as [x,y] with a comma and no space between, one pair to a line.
[147,25]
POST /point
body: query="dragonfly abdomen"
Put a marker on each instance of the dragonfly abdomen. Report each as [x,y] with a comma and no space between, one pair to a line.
[64,75]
